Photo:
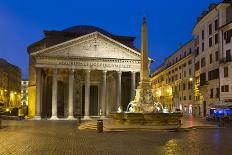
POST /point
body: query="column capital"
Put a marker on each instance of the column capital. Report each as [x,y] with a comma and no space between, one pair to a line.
[133,72]
[55,71]
[119,72]
[71,71]
[104,72]
[87,70]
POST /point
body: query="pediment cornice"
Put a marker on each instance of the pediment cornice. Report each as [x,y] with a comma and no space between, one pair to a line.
[85,38]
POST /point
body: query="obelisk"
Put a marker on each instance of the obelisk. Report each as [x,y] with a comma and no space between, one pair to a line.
[144,72]
[144,101]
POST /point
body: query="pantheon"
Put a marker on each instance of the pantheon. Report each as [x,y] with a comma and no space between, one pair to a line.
[82,71]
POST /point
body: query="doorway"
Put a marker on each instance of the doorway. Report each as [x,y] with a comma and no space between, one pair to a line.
[204,108]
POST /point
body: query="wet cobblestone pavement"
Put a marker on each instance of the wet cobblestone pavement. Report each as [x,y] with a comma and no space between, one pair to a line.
[49,137]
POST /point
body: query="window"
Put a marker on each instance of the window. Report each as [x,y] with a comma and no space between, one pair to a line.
[197,52]
[190,50]
[228,55]
[225,88]
[197,65]
[216,56]
[227,36]
[210,58]
[226,74]
[184,97]
[202,79]
[184,86]
[180,75]
[210,42]
[213,74]
[216,25]
[211,93]
[190,62]
[190,97]
[184,73]
[202,47]
[210,29]
[190,85]
[185,54]
[202,34]
[216,38]
[190,71]
[217,93]
[202,62]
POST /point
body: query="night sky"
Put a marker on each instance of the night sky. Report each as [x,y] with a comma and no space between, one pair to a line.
[170,23]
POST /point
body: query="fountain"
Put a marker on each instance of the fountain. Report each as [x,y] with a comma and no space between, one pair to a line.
[143,109]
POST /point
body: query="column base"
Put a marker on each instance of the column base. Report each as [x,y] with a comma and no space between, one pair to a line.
[103,117]
[71,118]
[87,118]
[54,118]
[37,118]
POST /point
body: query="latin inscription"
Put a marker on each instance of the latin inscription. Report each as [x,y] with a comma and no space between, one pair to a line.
[95,64]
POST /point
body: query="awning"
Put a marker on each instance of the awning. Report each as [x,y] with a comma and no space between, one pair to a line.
[224,105]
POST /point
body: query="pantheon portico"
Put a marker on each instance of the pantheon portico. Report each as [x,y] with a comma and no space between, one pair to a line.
[81,71]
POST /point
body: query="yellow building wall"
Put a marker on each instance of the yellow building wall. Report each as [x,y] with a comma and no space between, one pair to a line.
[31,100]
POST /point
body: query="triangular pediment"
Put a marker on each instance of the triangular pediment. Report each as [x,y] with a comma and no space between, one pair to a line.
[94,45]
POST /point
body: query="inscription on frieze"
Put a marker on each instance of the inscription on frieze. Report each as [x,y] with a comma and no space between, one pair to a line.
[95,64]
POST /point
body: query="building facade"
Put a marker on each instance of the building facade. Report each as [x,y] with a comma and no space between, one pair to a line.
[10,84]
[81,71]
[211,59]
[24,92]
[173,81]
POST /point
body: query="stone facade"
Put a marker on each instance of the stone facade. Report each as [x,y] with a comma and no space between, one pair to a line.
[211,59]
[81,71]
[173,81]
[24,92]
[10,84]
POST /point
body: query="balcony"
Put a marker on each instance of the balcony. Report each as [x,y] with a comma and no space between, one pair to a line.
[204,83]
[225,60]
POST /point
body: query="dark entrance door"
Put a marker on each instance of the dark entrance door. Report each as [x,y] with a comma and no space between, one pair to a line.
[204,108]
[93,100]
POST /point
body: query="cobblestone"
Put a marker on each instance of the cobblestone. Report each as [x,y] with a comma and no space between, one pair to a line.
[63,137]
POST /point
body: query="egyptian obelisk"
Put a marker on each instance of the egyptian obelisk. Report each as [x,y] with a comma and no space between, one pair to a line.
[144,71]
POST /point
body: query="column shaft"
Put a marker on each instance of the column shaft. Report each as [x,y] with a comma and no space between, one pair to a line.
[133,83]
[103,94]
[87,94]
[119,87]
[38,94]
[54,94]
[70,95]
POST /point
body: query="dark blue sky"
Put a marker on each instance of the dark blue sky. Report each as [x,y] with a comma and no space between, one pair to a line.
[170,22]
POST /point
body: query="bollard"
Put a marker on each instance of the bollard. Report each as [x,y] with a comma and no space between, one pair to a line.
[179,122]
[100,126]
[78,121]
[221,122]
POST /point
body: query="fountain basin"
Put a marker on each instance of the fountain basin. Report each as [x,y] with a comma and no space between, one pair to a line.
[147,118]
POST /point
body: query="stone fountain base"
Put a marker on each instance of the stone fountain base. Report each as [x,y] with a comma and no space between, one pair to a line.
[158,119]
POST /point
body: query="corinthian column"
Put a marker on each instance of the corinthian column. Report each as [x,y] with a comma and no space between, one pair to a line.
[119,88]
[87,94]
[54,95]
[103,94]
[38,94]
[70,94]
[132,85]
